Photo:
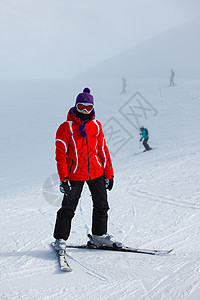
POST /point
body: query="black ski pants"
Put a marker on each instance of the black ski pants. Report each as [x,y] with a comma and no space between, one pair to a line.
[145,144]
[67,211]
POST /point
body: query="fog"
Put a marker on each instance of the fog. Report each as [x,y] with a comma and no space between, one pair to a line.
[60,39]
[176,48]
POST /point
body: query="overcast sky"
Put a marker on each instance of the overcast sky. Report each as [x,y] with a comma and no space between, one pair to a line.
[59,38]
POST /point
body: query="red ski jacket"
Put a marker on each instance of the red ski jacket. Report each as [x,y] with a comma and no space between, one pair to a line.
[82,158]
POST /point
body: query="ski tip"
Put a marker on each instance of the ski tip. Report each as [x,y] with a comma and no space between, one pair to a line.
[170,251]
[66,269]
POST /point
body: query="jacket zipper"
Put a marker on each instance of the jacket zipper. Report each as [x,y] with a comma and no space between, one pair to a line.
[71,166]
[110,164]
[88,156]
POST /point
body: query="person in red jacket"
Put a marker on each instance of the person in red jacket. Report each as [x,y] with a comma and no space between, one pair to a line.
[82,156]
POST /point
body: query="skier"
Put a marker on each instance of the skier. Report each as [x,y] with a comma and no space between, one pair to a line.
[145,135]
[123,86]
[82,156]
[172,74]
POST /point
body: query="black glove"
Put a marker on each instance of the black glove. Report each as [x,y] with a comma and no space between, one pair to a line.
[65,187]
[140,139]
[109,184]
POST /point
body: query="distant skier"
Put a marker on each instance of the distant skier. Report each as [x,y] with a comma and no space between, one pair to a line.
[123,86]
[172,74]
[82,156]
[145,135]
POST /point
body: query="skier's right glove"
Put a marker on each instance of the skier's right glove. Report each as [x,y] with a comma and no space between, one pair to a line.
[140,139]
[65,187]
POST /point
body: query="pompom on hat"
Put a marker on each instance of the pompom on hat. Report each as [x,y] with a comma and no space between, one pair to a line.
[85,97]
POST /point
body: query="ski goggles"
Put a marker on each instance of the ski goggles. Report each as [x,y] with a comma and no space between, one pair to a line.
[88,107]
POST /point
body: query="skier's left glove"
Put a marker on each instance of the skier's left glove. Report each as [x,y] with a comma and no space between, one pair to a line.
[109,184]
[140,139]
[65,187]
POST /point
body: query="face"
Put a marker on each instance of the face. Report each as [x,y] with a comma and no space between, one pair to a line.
[85,112]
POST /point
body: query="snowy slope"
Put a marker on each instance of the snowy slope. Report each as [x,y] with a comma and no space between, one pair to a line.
[176,48]
[58,39]
[155,202]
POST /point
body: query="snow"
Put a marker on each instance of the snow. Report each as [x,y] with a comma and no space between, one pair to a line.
[155,202]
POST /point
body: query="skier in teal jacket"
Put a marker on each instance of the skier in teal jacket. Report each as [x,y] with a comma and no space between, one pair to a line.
[145,135]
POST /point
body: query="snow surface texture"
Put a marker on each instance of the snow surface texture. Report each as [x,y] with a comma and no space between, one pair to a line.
[155,202]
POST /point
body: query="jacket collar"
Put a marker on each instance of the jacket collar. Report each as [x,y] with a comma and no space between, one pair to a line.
[71,116]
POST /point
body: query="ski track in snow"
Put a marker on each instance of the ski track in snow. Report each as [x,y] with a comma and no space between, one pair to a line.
[155,203]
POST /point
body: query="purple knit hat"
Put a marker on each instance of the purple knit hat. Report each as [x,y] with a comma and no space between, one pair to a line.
[85,97]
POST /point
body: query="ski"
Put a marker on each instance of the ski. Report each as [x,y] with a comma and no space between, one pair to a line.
[91,246]
[61,255]
[123,249]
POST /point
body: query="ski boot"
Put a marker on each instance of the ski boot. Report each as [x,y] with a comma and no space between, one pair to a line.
[60,246]
[105,240]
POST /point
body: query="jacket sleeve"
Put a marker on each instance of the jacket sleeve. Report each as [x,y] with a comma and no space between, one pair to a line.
[61,142]
[104,155]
